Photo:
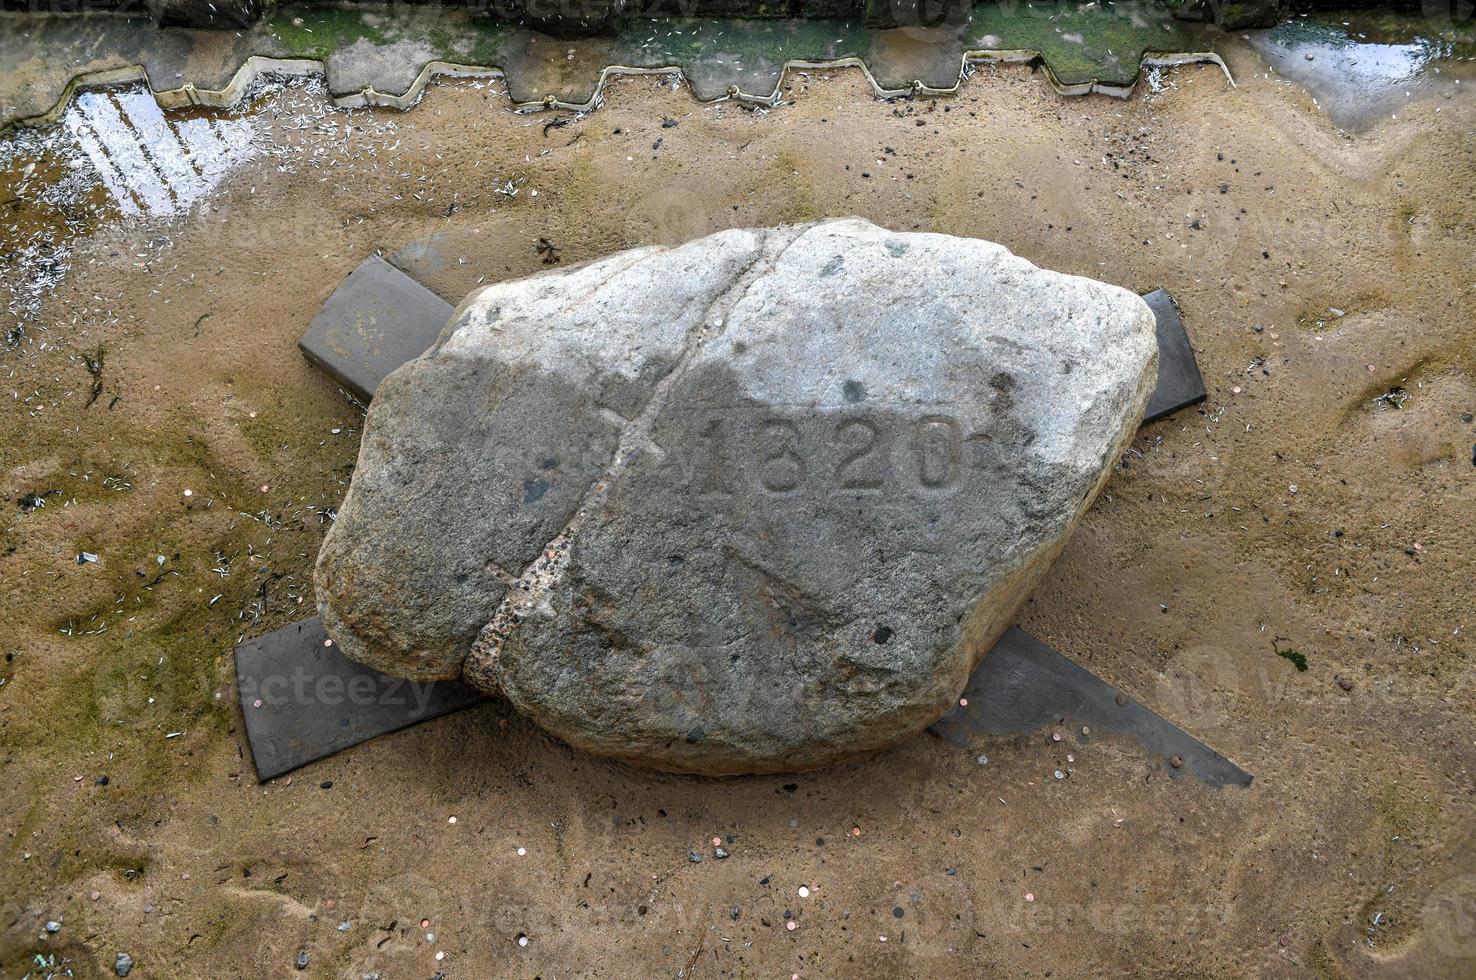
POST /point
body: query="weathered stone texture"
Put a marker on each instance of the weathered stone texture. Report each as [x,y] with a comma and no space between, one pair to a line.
[755,503]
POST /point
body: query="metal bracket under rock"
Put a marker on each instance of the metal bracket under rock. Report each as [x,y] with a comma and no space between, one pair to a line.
[1179,381]
[377,319]
[1023,686]
[303,700]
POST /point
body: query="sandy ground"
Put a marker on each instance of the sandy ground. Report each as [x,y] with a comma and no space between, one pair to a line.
[1293,511]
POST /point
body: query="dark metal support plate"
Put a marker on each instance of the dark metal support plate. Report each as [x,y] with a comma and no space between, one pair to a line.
[1179,381]
[377,319]
[304,701]
[1023,686]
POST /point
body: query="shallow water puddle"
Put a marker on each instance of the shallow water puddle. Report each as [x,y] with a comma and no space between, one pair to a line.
[152,164]
[1362,67]
[114,155]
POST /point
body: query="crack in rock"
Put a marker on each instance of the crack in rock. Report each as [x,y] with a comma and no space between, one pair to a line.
[535,585]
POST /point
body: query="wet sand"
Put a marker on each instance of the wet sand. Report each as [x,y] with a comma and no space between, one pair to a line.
[1295,511]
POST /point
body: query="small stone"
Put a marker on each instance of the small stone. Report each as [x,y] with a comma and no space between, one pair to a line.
[302,960]
[123,964]
[719,853]
[53,926]
[694,857]
[1176,761]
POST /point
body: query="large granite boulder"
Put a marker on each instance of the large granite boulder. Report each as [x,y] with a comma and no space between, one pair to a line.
[756,503]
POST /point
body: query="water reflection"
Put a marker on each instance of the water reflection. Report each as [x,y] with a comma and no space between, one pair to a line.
[1369,66]
[152,164]
[113,154]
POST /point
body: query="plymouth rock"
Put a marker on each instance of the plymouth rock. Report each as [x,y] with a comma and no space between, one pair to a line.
[755,503]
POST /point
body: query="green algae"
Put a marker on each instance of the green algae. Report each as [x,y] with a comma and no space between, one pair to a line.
[153,639]
[1297,658]
[1084,43]
[317,32]
[456,36]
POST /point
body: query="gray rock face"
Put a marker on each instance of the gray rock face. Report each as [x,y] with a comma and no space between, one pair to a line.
[755,503]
